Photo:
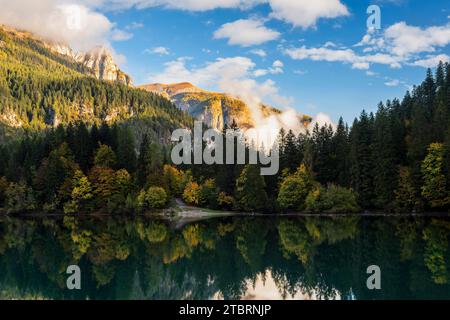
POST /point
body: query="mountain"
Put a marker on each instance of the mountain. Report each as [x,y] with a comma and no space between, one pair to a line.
[42,86]
[215,109]
[98,61]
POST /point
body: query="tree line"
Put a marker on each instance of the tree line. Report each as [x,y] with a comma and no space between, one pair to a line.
[396,159]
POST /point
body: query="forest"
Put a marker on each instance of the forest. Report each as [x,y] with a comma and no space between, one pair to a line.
[40,89]
[394,160]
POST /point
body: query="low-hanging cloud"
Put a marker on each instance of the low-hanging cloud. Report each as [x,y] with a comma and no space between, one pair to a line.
[235,76]
[75,24]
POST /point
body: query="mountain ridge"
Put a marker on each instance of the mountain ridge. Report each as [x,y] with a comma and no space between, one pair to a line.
[97,62]
[41,89]
[215,109]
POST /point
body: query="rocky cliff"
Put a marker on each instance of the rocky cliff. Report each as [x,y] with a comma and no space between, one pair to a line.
[99,61]
[215,109]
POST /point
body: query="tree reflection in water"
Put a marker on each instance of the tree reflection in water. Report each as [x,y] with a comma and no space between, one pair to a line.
[230,258]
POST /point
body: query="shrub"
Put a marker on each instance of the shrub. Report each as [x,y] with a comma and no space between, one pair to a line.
[153,198]
[333,199]
[225,201]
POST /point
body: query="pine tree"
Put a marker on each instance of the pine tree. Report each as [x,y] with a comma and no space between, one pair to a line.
[362,160]
[342,148]
[324,154]
[141,170]
[406,198]
[126,153]
[250,189]
[290,158]
[385,166]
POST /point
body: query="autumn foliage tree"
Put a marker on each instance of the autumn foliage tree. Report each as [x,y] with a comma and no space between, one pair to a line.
[434,188]
[294,189]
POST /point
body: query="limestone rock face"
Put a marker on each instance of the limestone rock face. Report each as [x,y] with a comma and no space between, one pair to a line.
[215,109]
[99,61]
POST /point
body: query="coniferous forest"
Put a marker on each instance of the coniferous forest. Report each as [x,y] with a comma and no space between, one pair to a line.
[394,160]
[71,143]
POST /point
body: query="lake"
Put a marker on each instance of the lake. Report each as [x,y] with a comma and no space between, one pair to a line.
[225,258]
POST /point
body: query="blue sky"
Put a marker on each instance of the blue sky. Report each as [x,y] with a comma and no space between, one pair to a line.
[282,52]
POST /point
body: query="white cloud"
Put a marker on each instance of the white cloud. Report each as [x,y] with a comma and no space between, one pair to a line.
[277,64]
[431,61]
[61,21]
[322,54]
[134,25]
[329,44]
[405,40]
[300,13]
[188,5]
[392,83]
[300,72]
[344,55]
[259,52]
[277,68]
[235,76]
[305,13]
[120,35]
[246,32]
[53,19]
[162,51]
[406,44]
[322,119]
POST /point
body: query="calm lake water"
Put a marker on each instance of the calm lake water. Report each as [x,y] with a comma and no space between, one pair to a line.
[226,258]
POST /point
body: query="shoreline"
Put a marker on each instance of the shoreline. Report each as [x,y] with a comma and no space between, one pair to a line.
[202,213]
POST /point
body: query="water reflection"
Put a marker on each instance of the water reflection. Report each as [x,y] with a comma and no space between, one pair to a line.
[230,258]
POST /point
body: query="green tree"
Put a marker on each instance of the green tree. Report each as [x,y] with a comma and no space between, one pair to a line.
[250,189]
[434,188]
[105,157]
[385,150]
[81,194]
[210,192]
[153,198]
[406,198]
[3,187]
[362,159]
[294,189]
[333,199]
[20,197]
[126,153]
[174,180]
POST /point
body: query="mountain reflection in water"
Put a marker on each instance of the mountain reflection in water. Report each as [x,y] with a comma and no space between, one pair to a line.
[227,258]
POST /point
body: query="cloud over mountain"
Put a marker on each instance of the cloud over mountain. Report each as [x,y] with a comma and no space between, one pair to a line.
[61,21]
